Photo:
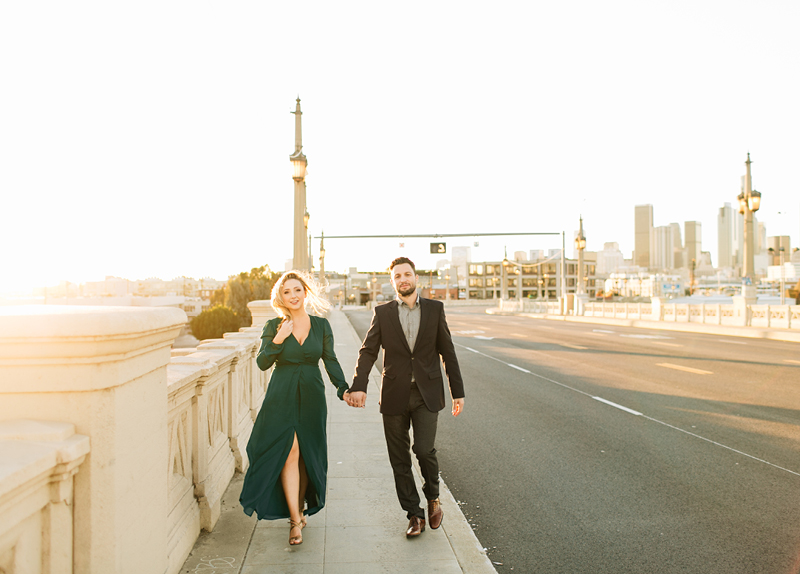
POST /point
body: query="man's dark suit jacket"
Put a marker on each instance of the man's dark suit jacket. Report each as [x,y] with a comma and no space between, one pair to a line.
[399,361]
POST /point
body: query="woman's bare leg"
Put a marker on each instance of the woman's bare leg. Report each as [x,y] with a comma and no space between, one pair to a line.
[301,500]
[290,480]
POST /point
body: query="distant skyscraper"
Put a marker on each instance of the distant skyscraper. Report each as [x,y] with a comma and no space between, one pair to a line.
[694,242]
[643,238]
[609,259]
[677,245]
[725,247]
[662,257]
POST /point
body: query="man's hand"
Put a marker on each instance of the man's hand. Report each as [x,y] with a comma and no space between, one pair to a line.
[458,406]
[356,398]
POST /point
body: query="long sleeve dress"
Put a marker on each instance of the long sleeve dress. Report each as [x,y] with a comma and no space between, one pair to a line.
[295,403]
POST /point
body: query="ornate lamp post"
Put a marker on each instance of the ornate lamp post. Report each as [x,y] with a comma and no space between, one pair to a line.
[580,245]
[301,261]
[749,203]
[322,259]
[507,262]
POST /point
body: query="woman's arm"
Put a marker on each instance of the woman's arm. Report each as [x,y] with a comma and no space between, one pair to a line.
[269,350]
[331,363]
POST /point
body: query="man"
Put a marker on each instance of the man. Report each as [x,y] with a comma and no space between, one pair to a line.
[413,333]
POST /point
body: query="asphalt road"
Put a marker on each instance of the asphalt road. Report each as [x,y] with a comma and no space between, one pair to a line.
[605,449]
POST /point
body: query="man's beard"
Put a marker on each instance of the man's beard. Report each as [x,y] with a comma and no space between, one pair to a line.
[407,291]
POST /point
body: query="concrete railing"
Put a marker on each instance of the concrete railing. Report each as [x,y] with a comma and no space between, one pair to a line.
[168,428]
[38,460]
[736,314]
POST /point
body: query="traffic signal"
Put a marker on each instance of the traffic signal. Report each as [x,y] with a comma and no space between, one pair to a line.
[439,248]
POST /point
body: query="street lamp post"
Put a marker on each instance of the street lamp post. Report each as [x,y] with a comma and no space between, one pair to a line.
[580,289]
[374,291]
[783,285]
[447,286]
[322,260]
[749,203]
[506,263]
[299,164]
[580,244]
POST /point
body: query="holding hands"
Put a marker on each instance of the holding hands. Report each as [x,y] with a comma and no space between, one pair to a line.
[355,398]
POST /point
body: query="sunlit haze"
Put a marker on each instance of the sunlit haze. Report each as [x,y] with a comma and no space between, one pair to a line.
[148,139]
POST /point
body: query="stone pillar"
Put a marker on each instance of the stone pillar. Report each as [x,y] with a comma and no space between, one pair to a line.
[741,309]
[102,369]
[656,309]
[262,312]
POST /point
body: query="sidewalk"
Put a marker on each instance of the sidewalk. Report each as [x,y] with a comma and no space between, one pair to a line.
[778,334]
[362,527]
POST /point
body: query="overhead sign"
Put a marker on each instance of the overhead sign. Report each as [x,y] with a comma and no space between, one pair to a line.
[439,248]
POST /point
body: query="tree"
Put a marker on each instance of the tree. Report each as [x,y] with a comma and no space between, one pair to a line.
[249,286]
[214,322]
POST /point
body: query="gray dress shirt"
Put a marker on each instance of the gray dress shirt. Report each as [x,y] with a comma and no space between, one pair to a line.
[409,321]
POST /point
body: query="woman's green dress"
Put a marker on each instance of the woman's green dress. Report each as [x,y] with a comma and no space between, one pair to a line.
[295,403]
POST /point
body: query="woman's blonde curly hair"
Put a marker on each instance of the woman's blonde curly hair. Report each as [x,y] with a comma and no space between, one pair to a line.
[317,304]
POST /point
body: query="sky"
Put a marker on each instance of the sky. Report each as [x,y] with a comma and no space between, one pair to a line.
[152,139]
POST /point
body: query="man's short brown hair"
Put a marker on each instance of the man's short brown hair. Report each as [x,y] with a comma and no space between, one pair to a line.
[398,261]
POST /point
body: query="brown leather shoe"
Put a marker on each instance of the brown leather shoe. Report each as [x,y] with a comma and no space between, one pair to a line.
[415,526]
[435,513]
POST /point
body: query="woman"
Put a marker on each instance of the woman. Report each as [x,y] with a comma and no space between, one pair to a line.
[288,447]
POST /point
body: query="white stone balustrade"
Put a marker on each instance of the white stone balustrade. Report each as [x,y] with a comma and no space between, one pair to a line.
[38,460]
[167,431]
[737,314]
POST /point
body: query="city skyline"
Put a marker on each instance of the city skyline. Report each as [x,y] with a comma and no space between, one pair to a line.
[174,160]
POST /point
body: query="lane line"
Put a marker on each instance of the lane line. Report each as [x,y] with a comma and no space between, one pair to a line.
[734,342]
[792,361]
[482,337]
[602,331]
[518,367]
[519,334]
[666,343]
[618,406]
[600,334]
[721,445]
[684,368]
[573,346]
[654,420]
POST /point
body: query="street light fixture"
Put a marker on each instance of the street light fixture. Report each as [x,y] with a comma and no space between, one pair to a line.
[580,244]
[749,203]
[299,163]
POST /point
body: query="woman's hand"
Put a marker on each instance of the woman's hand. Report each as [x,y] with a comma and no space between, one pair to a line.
[284,331]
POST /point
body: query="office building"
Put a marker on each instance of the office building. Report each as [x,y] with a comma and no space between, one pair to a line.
[643,235]
[694,243]
[725,237]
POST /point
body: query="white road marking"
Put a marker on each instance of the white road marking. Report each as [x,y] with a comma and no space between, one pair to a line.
[481,337]
[518,367]
[733,341]
[668,344]
[564,385]
[469,331]
[792,361]
[602,331]
[573,346]
[519,334]
[684,368]
[644,336]
[599,334]
[618,406]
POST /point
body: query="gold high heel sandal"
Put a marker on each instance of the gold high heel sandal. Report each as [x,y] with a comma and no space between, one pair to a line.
[295,539]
